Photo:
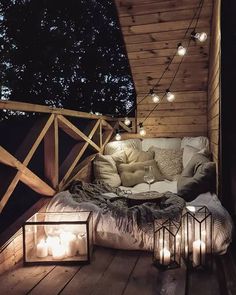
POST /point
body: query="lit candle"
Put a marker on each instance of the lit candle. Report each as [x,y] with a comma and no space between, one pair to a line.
[69,241]
[82,244]
[51,242]
[199,251]
[42,249]
[191,208]
[58,252]
[164,256]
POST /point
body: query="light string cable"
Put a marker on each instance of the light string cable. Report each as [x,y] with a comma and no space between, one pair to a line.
[197,13]
[171,60]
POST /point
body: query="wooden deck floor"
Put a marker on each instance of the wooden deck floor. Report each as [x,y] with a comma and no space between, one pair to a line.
[112,272]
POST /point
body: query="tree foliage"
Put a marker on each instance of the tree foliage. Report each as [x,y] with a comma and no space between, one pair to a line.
[66,54]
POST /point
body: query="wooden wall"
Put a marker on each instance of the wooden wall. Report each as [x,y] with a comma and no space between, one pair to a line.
[152,29]
[214,84]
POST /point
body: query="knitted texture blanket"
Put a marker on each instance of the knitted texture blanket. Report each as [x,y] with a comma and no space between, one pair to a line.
[161,206]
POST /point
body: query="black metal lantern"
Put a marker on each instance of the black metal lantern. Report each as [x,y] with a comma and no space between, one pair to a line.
[58,238]
[196,234]
[167,244]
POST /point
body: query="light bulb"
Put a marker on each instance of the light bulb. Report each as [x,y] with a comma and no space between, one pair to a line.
[155,98]
[201,36]
[170,96]
[181,50]
[142,131]
[127,121]
[118,136]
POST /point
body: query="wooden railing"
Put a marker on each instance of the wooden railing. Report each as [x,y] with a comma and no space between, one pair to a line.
[97,133]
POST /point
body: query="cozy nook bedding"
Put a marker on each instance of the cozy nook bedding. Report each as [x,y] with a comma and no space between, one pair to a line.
[183,173]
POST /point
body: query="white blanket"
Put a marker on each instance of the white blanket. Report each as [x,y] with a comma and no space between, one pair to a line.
[107,234]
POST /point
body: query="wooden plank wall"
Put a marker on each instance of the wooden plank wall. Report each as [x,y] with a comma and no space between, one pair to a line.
[152,29]
[214,85]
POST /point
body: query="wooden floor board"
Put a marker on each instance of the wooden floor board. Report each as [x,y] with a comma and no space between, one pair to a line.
[203,282]
[55,281]
[172,282]
[23,279]
[115,278]
[115,272]
[143,279]
[86,279]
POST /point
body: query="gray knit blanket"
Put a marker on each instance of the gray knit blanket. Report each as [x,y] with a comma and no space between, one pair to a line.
[161,206]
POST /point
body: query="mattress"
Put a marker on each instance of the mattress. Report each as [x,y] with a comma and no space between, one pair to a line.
[107,234]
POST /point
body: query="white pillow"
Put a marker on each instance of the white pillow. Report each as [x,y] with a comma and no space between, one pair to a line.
[105,168]
[163,143]
[199,142]
[115,146]
[190,151]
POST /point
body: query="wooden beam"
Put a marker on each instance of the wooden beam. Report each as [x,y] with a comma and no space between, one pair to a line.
[25,175]
[74,156]
[51,154]
[123,126]
[27,151]
[82,171]
[74,132]
[28,107]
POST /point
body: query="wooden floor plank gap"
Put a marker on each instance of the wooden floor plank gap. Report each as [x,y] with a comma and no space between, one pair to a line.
[130,275]
[69,280]
[40,280]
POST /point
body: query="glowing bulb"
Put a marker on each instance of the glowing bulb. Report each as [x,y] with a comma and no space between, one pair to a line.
[201,36]
[118,136]
[142,131]
[170,96]
[181,50]
[127,121]
[155,98]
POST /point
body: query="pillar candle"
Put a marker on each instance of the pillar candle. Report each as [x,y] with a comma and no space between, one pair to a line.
[51,242]
[42,249]
[199,252]
[164,256]
[82,244]
[58,252]
[68,239]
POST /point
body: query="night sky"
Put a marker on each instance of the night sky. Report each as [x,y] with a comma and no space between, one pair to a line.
[66,54]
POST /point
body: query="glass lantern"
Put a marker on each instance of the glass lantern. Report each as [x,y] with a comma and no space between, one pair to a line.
[58,238]
[197,236]
[167,244]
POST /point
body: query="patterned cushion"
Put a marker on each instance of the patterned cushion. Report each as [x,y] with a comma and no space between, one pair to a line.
[133,173]
[134,155]
[169,162]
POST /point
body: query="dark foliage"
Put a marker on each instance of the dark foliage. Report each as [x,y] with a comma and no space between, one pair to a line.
[66,54]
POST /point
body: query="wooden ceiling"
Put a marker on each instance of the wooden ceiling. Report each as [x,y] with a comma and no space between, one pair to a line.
[152,30]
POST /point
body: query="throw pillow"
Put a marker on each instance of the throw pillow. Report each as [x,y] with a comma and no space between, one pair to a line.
[192,166]
[133,173]
[169,162]
[105,170]
[134,155]
[189,151]
[203,180]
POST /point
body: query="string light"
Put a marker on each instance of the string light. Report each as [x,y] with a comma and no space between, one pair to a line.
[127,121]
[199,36]
[118,136]
[181,50]
[142,130]
[154,96]
[170,96]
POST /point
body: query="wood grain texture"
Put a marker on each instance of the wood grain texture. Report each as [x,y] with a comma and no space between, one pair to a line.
[152,30]
[213,118]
